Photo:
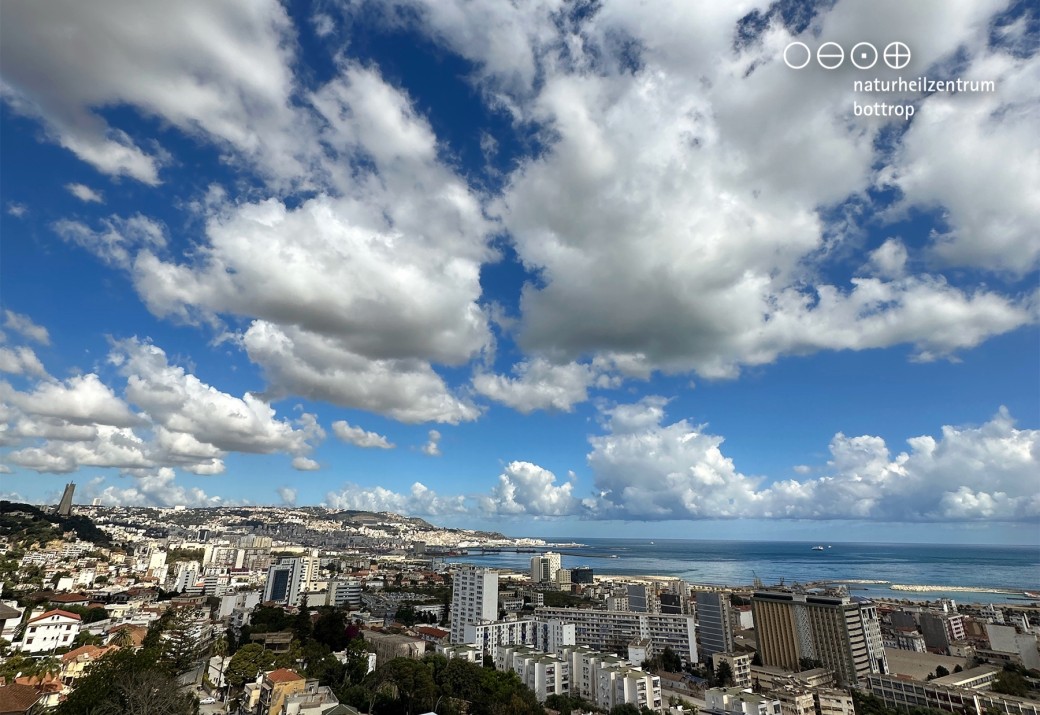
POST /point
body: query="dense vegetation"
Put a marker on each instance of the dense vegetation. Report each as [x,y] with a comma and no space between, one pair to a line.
[24,522]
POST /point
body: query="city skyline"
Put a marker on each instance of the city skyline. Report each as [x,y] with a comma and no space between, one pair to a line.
[551,271]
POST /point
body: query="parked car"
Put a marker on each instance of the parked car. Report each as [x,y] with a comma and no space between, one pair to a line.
[207,701]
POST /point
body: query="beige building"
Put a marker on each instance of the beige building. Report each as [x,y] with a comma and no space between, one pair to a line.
[739,665]
[276,688]
[842,634]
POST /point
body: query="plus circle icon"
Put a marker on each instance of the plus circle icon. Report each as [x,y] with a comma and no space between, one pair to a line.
[897,55]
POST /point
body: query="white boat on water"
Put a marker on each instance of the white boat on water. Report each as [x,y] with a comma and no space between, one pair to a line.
[817,548]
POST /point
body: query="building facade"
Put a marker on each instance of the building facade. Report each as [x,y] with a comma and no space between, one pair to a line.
[714,623]
[474,599]
[841,634]
[612,631]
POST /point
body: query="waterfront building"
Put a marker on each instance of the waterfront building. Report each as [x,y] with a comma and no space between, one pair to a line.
[544,567]
[474,599]
[841,633]
[714,623]
[612,631]
[582,575]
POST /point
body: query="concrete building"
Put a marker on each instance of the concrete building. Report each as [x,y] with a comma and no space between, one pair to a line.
[612,631]
[544,567]
[474,599]
[739,665]
[276,687]
[1021,646]
[842,634]
[283,582]
[65,505]
[545,635]
[344,592]
[388,646]
[544,673]
[714,623]
[739,701]
[905,694]
[49,631]
[942,629]
[607,680]
[468,653]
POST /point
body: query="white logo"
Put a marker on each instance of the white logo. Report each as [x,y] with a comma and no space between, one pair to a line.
[831,55]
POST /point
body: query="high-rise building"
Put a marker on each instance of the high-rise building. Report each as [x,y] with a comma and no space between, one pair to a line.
[840,633]
[65,505]
[474,599]
[545,566]
[714,623]
[942,629]
[283,582]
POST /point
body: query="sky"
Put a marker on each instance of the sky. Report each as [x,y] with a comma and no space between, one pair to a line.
[548,268]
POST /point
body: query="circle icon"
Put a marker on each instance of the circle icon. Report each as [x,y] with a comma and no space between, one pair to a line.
[830,55]
[864,55]
[897,55]
[792,59]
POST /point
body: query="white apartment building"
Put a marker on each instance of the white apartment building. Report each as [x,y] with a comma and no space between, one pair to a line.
[474,599]
[50,630]
[740,701]
[544,673]
[612,631]
[608,680]
[545,635]
[344,592]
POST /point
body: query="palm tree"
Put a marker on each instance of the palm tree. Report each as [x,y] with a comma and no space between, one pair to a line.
[123,638]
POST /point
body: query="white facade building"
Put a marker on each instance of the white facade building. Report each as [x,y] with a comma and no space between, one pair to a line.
[474,599]
[612,631]
[49,631]
[545,566]
[544,673]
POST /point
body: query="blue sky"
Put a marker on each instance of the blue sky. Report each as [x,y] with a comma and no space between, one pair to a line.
[557,269]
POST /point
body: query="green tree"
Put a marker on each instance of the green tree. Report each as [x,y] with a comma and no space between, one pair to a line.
[125,682]
[724,675]
[1010,682]
[670,660]
[406,614]
[302,625]
[247,663]
[220,649]
[331,629]
[625,709]
[123,638]
[941,672]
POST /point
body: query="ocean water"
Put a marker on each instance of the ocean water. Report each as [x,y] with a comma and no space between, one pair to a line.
[1011,568]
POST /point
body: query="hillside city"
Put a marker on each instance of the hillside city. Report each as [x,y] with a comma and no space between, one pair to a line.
[310,611]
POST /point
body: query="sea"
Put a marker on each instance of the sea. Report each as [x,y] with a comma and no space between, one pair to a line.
[966,573]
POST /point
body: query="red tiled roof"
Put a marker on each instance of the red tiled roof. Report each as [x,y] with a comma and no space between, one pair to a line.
[56,612]
[91,651]
[283,675]
[69,598]
[17,698]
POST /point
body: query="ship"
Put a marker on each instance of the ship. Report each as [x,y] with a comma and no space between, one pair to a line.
[817,548]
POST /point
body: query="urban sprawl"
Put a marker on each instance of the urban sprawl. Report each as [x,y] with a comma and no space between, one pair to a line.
[308,611]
